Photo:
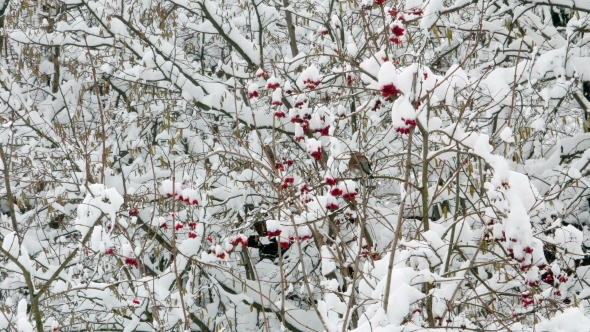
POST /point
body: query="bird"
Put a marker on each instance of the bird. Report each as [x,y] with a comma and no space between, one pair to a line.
[359,162]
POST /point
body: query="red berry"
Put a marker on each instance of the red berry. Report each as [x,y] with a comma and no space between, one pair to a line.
[272,86]
[304,189]
[376,106]
[332,206]
[311,84]
[331,181]
[274,233]
[389,90]
[411,123]
[335,192]
[317,155]
[132,262]
[397,31]
[349,196]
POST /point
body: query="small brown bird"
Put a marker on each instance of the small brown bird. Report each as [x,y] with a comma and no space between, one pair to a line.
[358,162]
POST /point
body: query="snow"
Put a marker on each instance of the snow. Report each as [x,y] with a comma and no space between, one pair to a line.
[310,77]
[431,13]
[200,148]
[571,319]
[372,65]
[328,264]
[506,135]
[277,95]
[97,202]
[387,74]
[10,244]
[501,170]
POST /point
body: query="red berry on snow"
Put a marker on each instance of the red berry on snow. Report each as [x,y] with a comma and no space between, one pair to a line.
[397,31]
[389,90]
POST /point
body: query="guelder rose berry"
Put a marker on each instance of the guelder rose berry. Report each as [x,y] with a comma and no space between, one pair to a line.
[295,117]
[277,96]
[299,133]
[252,90]
[407,113]
[397,30]
[348,189]
[403,116]
[336,192]
[387,80]
[260,73]
[287,88]
[388,90]
[304,188]
[132,262]
[314,149]
[311,77]
[526,298]
[286,182]
[241,240]
[331,181]
[273,228]
[273,83]
[331,203]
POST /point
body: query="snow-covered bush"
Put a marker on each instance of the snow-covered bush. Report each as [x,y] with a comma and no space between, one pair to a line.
[248,165]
